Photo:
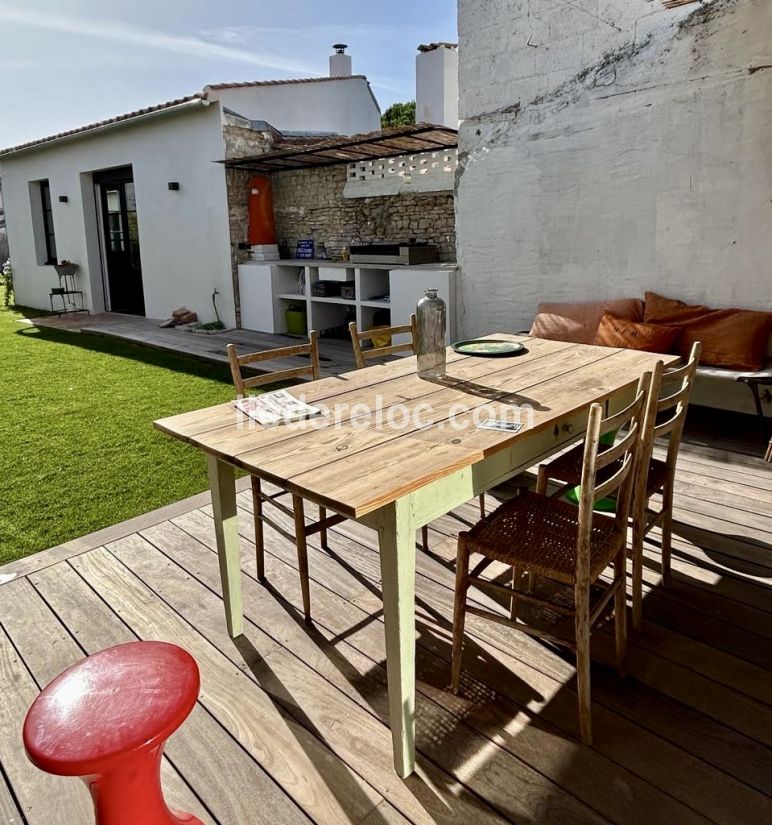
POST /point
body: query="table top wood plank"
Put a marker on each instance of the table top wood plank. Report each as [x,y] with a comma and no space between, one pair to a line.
[223,430]
[318,444]
[230,441]
[354,465]
[345,388]
[367,480]
[194,422]
[565,395]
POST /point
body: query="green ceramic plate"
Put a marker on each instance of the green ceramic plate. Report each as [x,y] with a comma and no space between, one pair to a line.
[489,348]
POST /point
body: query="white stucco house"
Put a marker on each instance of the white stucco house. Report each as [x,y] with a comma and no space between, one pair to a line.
[139,201]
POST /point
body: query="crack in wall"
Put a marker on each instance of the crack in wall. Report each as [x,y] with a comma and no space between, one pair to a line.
[602,74]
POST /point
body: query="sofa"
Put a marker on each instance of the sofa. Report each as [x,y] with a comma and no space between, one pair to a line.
[735,371]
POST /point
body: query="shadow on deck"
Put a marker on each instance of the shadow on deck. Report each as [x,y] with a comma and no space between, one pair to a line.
[291,723]
[335,356]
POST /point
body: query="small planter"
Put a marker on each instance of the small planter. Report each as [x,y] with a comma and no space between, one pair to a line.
[66,270]
[296,320]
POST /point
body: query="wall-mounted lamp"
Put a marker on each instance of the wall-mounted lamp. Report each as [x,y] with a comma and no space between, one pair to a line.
[174,185]
[63,199]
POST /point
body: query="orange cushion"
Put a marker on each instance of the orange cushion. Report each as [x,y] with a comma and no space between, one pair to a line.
[616,332]
[733,338]
[578,323]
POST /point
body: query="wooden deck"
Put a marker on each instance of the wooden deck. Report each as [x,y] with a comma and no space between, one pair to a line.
[335,356]
[290,724]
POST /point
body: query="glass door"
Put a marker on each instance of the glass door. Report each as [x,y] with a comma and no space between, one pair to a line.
[121,240]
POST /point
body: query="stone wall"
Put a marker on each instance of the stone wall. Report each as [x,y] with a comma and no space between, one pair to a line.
[611,148]
[309,203]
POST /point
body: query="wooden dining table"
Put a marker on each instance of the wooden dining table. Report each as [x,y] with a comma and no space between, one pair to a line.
[396,471]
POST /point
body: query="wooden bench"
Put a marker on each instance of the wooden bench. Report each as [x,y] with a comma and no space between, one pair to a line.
[715,387]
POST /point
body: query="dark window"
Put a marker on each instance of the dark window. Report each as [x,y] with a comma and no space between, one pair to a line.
[48,222]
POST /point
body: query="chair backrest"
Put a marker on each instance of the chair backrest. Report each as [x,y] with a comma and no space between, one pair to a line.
[363,355]
[621,459]
[311,349]
[671,393]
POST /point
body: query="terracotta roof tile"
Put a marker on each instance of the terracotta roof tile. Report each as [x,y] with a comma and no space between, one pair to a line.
[288,81]
[170,104]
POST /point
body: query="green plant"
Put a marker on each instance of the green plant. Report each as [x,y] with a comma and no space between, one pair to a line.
[6,280]
[399,114]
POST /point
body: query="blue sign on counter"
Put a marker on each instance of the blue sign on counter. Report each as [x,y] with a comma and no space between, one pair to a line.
[304,249]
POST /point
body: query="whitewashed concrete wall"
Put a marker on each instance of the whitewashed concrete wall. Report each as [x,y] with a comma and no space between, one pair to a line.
[604,157]
[184,239]
[345,106]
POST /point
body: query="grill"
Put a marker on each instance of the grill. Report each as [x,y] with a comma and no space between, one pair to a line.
[399,253]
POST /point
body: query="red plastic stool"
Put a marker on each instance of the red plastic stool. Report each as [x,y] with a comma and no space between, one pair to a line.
[107,718]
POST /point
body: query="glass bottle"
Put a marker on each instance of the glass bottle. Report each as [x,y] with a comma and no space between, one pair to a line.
[430,335]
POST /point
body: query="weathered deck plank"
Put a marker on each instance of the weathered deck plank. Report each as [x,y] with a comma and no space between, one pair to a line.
[355,672]
[336,356]
[291,723]
[95,626]
[297,760]
[434,611]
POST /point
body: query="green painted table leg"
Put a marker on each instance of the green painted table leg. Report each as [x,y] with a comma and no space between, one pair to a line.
[396,535]
[222,482]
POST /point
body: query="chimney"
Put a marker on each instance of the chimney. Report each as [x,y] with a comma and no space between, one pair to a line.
[436,84]
[340,62]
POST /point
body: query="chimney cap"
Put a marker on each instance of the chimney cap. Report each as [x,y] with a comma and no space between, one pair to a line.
[430,47]
[340,48]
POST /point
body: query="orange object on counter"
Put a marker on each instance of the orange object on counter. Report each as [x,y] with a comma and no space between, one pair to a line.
[262,227]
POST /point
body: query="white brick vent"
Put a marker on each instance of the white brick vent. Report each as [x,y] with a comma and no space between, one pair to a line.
[423,172]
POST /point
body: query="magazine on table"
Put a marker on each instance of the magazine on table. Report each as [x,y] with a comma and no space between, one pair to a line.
[276,407]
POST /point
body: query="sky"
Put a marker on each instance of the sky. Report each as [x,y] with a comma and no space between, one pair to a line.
[66,63]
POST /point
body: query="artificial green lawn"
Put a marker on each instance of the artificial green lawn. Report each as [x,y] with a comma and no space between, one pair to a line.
[78,451]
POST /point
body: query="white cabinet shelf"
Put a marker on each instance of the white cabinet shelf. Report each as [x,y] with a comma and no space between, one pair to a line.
[266,289]
[315,299]
[377,304]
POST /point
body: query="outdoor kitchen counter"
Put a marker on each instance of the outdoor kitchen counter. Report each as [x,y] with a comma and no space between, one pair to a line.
[267,289]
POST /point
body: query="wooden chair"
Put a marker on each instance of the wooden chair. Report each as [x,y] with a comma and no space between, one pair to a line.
[311,349]
[768,454]
[364,355]
[565,544]
[297,511]
[658,477]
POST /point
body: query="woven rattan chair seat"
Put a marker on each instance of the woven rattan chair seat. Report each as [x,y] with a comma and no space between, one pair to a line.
[540,534]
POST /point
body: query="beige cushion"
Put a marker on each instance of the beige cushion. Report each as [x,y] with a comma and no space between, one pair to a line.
[733,338]
[579,322]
